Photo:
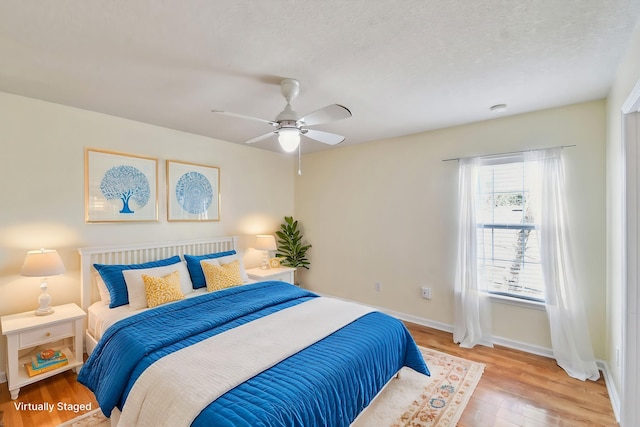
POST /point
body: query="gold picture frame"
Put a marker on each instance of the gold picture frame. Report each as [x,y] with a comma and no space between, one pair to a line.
[193,192]
[120,187]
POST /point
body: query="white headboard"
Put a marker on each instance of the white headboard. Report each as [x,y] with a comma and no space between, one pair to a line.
[139,253]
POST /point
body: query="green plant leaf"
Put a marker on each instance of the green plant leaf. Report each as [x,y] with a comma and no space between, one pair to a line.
[290,247]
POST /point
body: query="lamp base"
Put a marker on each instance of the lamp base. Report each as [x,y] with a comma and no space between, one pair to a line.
[44,312]
[264,265]
[44,301]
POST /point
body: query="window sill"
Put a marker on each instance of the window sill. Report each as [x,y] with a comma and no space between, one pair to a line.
[501,299]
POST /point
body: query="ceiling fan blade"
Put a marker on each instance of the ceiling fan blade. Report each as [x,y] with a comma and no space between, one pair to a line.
[324,137]
[330,113]
[241,116]
[260,138]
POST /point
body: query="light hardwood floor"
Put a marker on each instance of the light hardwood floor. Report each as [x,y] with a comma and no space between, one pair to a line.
[59,388]
[516,389]
[522,389]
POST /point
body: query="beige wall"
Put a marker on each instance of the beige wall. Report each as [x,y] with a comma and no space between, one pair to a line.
[627,76]
[377,212]
[42,191]
[385,212]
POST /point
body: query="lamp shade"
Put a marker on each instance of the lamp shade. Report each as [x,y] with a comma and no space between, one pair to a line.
[265,242]
[42,263]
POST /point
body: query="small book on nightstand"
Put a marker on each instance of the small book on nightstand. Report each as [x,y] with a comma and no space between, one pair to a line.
[33,372]
[48,355]
[45,361]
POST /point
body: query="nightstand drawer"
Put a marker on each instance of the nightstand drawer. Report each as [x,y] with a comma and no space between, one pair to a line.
[284,277]
[285,274]
[45,334]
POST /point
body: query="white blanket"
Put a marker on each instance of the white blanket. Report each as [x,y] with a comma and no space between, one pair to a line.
[176,388]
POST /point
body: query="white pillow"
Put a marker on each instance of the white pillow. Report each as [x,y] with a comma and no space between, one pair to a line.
[212,261]
[135,284]
[105,296]
[226,260]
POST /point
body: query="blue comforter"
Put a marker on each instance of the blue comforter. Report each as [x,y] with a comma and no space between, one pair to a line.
[327,384]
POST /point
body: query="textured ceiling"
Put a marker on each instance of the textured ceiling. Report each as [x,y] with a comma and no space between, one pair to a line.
[400,66]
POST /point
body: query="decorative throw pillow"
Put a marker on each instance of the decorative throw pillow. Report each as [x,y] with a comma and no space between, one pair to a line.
[222,276]
[195,270]
[114,279]
[136,287]
[230,258]
[102,288]
[161,290]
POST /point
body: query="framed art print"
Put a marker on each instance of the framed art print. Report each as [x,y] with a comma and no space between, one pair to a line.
[120,187]
[193,192]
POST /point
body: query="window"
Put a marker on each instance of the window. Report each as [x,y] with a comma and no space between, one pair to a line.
[508,224]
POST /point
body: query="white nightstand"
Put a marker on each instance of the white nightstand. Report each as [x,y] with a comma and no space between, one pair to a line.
[27,333]
[284,274]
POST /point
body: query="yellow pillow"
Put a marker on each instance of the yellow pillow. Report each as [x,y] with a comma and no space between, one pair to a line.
[161,290]
[222,276]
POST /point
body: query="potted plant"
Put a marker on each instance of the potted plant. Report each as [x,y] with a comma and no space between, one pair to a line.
[291,250]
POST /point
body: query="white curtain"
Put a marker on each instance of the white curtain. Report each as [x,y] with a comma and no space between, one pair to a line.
[472,316]
[565,309]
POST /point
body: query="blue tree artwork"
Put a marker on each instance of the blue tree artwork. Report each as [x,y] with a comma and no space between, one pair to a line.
[126,183]
[194,193]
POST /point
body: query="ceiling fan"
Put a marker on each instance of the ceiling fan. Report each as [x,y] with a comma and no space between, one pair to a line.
[289,125]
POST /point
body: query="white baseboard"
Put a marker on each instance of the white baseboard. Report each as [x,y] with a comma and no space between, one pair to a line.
[3,377]
[504,342]
[518,345]
[418,320]
[613,393]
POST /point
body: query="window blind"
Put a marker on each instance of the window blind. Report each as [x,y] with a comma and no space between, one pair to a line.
[508,248]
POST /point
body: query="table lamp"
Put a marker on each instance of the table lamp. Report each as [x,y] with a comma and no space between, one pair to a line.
[43,263]
[265,243]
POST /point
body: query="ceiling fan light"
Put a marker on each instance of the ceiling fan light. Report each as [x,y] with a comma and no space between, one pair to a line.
[289,139]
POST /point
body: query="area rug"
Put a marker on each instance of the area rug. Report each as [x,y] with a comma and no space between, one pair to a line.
[94,418]
[413,399]
[416,400]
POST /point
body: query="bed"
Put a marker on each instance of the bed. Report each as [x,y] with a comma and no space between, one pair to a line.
[260,353]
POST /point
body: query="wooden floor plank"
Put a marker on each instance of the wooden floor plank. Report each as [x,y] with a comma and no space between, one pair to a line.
[516,389]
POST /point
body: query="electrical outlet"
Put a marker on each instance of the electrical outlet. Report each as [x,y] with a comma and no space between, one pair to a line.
[426,292]
[378,286]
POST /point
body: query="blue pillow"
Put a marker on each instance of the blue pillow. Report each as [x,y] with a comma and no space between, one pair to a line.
[114,279]
[195,269]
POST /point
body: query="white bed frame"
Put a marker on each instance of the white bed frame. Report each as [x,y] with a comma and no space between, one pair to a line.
[136,254]
[139,253]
